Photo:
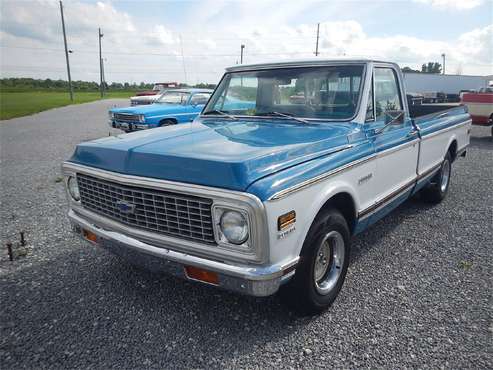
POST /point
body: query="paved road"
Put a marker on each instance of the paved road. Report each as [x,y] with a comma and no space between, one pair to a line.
[418,292]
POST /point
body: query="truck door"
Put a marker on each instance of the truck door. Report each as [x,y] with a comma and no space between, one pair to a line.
[396,144]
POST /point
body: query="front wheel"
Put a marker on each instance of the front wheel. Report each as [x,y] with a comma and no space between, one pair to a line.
[437,190]
[167,122]
[323,265]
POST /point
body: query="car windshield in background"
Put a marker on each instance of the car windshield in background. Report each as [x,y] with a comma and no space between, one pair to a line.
[310,92]
[173,97]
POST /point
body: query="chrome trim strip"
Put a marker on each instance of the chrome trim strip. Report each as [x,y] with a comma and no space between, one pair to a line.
[284,193]
[429,171]
[171,115]
[388,151]
[446,129]
[249,202]
[385,201]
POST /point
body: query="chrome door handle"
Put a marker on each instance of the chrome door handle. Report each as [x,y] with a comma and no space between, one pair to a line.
[412,133]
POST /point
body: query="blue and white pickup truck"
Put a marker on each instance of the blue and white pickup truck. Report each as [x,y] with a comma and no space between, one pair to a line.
[265,195]
[171,107]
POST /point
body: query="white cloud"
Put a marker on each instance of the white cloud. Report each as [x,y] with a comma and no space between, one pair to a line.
[452,4]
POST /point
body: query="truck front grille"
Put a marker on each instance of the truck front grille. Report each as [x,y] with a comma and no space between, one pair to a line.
[162,212]
[126,117]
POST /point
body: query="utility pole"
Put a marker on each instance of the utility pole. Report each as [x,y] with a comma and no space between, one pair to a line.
[101,87]
[443,67]
[318,35]
[183,61]
[66,55]
[241,53]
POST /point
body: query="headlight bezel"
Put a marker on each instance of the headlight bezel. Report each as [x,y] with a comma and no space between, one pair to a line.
[142,118]
[218,211]
[111,115]
[72,179]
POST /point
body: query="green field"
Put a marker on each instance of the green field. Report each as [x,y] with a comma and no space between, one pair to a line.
[17,104]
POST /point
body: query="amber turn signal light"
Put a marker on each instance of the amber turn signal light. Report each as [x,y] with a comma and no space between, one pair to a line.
[286,220]
[90,236]
[202,275]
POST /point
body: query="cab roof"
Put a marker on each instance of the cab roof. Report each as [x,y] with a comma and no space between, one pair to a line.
[302,63]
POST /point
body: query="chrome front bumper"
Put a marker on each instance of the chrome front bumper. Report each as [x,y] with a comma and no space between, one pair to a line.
[127,126]
[257,281]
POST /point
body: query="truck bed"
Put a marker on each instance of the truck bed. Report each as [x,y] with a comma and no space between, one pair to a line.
[416,111]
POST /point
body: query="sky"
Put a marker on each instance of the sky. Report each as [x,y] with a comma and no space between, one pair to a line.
[193,41]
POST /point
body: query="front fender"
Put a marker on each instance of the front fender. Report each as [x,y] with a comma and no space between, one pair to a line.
[307,203]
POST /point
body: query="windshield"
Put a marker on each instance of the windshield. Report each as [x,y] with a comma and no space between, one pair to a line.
[173,97]
[330,92]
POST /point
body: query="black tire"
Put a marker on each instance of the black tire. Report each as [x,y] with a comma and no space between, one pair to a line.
[167,122]
[304,293]
[437,190]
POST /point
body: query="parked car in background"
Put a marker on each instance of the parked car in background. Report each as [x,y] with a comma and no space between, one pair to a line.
[145,99]
[434,97]
[263,192]
[158,87]
[172,107]
[480,106]
[414,98]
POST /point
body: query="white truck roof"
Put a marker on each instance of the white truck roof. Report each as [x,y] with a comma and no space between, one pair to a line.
[304,62]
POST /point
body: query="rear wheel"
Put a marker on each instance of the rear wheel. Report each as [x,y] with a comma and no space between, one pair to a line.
[323,265]
[437,190]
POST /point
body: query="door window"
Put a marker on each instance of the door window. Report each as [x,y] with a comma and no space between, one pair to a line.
[387,96]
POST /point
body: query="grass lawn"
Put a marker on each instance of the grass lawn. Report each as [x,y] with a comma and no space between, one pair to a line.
[18,104]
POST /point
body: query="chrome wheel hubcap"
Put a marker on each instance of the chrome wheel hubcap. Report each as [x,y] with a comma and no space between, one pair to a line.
[445,175]
[329,261]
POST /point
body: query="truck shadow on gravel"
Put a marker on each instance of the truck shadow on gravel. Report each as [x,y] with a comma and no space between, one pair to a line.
[482,142]
[80,301]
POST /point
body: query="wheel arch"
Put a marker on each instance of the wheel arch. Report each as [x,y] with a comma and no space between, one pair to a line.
[174,120]
[452,148]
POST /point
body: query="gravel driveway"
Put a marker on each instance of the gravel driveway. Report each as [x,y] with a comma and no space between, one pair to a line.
[418,291]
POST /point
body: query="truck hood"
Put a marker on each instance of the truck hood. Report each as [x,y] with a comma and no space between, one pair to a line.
[149,110]
[215,152]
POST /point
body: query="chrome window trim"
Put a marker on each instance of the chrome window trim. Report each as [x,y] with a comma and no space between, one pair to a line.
[364,64]
[245,201]
[446,129]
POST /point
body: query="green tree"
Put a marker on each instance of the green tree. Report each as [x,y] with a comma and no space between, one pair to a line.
[431,67]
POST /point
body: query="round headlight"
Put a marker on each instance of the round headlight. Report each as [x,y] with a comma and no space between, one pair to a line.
[111,115]
[73,188]
[141,118]
[234,226]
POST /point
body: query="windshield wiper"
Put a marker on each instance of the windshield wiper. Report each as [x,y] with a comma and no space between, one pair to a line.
[216,111]
[287,115]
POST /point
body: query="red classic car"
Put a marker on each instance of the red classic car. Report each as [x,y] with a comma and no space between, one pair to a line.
[480,106]
[159,86]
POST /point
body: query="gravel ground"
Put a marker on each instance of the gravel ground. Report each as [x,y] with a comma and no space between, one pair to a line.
[418,292]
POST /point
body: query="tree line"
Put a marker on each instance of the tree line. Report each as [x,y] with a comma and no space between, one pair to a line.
[14,83]
[430,67]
